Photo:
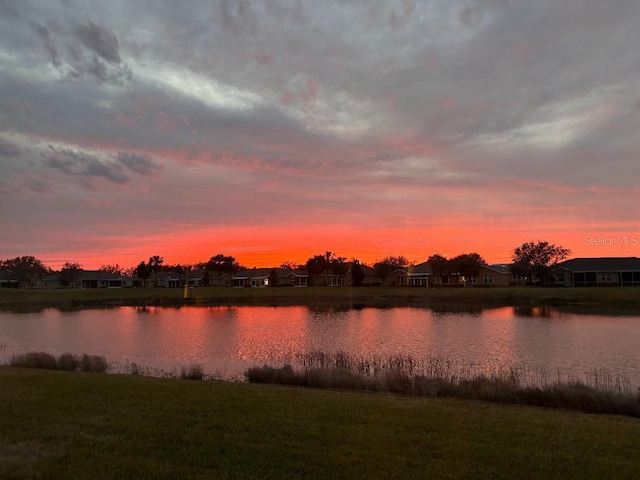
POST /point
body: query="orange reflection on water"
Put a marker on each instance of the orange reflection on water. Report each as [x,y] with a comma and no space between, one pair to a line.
[504,313]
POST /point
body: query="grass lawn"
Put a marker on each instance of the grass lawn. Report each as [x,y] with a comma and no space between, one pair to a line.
[72,425]
[578,298]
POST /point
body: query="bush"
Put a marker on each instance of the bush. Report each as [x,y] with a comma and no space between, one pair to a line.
[192,372]
[265,374]
[94,363]
[34,360]
[69,362]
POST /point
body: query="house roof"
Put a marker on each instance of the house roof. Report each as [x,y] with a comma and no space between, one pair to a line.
[97,275]
[218,274]
[501,268]
[162,276]
[602,264]
[420,269]
[7,275]
[196,274]
[261,273]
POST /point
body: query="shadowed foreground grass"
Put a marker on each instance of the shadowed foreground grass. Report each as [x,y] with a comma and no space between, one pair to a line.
[56,424]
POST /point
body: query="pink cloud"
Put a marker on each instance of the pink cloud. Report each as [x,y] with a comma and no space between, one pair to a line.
[126,121]
[288,98]
[165,122]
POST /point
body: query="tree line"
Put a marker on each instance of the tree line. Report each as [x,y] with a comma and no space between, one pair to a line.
[531,260]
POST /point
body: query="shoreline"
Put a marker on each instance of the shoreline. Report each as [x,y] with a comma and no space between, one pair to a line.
[584,300]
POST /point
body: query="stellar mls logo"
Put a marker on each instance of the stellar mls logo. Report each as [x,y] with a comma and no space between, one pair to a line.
[611,241]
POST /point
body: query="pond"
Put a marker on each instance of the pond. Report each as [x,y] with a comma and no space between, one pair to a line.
[228,340]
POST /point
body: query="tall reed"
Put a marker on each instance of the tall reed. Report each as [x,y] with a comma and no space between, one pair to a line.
[597,392]
[66,361]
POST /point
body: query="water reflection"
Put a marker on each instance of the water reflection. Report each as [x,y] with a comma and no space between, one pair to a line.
[537,312]
[230,339]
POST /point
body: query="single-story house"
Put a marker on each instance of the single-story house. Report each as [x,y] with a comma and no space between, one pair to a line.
[494,276]
[252,277]
[164,279]
[261,277]
[412,276]
[196,278]
[130,282]
[8,279]
[97,279]
[216,278]
[371,278]
[598,272]
[296,278]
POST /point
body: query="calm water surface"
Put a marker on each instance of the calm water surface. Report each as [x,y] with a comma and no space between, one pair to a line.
[228,340]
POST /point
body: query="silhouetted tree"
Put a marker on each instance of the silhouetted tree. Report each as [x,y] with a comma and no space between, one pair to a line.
[288,265]
[68,273]
[143,270]
[273,278]
[222,263]
[155,263]
[339,267]
[538,259]
[114,269]
[388,265]
[357,273]
[467,264]
[315,266]
[439,265]
[27,269]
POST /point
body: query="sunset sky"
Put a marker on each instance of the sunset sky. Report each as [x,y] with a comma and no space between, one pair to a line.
[277,130]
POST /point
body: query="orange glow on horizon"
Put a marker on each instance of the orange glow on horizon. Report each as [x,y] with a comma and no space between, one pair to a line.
[271,246]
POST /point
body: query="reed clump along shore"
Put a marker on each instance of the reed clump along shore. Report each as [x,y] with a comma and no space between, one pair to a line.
[433,377]
[66,361]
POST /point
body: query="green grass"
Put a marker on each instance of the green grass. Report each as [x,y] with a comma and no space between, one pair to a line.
[466,298]
[57,424]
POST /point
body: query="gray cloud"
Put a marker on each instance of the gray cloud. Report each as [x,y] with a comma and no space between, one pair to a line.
[140,164]
[100,40]
[8,149]
[374,105]
[83,164]
[100,58]
[48,42]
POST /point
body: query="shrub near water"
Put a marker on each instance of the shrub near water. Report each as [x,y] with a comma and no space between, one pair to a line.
[66,361]
[192,372]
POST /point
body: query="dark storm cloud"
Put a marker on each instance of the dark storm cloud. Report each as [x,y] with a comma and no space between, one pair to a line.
[48,42]
[100,57]
[74,163]
[140,164]
[100,40]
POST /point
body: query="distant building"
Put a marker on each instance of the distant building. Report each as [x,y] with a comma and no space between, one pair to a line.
[598,272]
[8,279]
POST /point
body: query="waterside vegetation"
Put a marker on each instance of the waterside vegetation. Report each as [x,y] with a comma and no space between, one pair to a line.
[56,424]
[434,377]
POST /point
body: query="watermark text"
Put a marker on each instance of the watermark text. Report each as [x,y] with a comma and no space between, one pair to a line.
[611,240]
